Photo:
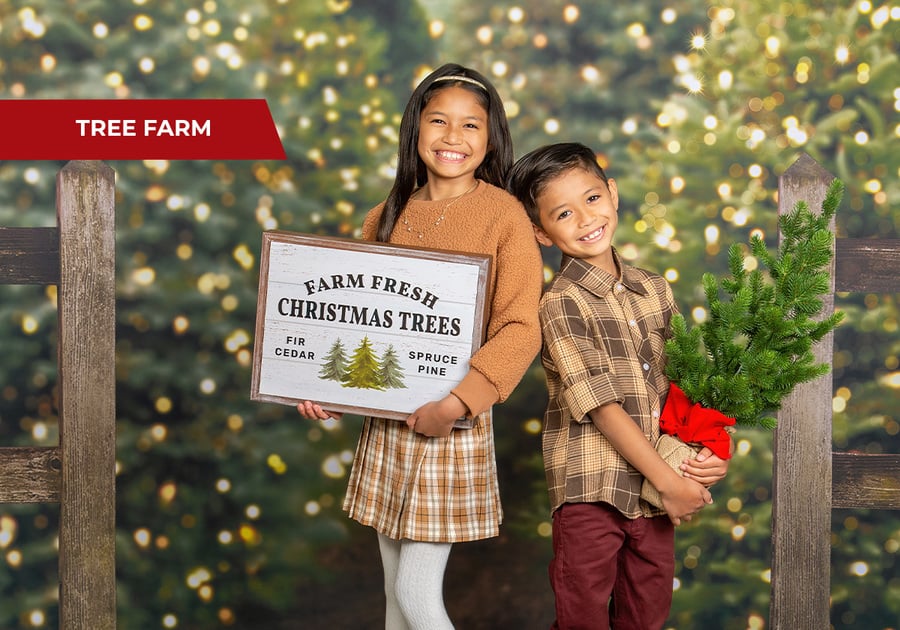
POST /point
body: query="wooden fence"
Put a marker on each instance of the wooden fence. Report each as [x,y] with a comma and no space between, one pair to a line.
[78,256]
[808,479]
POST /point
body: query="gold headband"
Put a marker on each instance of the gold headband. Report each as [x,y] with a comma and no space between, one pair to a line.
[457,77]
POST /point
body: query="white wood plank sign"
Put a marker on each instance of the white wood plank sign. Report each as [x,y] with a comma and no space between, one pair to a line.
[362,327]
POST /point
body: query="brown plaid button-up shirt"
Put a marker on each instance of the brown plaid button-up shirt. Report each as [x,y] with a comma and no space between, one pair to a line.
[603,342]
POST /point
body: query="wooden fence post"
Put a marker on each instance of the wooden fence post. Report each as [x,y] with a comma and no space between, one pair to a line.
[801,476]
[85,202]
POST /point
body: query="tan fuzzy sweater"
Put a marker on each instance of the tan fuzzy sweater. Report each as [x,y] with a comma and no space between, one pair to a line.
[486,221]
[445,489]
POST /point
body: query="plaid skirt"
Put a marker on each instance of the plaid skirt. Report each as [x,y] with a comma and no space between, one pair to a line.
[406,485]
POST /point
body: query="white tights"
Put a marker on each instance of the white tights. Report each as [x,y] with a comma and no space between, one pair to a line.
[414,584]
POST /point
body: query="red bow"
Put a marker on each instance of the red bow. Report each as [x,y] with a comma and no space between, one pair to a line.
[692,422]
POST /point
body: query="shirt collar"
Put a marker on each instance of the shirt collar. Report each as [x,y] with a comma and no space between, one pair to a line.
[598,281]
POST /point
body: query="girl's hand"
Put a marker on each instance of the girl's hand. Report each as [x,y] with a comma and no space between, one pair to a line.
[436,418]
[313,411]
[706,468]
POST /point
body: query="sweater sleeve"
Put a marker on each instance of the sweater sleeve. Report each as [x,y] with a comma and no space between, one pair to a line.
[370,222]
[513,335]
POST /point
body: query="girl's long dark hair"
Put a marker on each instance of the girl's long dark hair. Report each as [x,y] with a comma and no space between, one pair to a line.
[411,172]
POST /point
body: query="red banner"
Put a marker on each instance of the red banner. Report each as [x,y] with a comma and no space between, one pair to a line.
[138,129]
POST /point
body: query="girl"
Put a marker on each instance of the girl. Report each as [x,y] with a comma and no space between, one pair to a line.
[421,484]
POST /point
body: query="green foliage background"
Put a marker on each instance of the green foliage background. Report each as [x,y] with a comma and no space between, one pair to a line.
[229,511]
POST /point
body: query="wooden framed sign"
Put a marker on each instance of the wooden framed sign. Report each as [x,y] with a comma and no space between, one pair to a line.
[362,327]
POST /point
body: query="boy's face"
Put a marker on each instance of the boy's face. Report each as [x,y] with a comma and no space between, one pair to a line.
[579,215]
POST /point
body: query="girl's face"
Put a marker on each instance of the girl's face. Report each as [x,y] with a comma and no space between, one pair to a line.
[453,137]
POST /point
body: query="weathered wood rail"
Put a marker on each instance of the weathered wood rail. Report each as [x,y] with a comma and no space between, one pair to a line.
[808,479]
[78,256]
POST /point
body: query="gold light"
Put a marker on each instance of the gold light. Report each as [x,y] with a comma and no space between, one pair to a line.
[143,22]
[842,54]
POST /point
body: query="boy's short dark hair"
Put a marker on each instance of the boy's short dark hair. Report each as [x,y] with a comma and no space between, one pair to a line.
[532,172]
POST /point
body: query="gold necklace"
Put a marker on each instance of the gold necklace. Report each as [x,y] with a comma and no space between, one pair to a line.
[440,219]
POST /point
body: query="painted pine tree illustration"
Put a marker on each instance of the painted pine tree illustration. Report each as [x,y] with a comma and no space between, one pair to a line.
[362,372]
[335,365]
[391,374]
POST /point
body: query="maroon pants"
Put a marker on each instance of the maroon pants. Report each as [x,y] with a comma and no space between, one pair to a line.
[609,571]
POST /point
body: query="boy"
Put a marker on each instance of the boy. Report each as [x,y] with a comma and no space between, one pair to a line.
[604,327]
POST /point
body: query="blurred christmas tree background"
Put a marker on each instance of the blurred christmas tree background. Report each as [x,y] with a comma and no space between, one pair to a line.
[228,511]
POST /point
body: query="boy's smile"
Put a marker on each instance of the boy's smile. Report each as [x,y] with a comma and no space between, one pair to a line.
[594,236]
[578,213]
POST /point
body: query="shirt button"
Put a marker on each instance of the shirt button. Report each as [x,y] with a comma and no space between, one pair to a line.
[619,287]
[646,366]
[632,323]
[655,414]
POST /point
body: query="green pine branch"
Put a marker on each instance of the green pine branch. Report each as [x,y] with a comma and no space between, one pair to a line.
[756,344]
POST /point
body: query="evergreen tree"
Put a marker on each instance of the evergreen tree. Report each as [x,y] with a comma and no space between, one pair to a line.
[335,366]
[390,375]
[756,345]
[364,369]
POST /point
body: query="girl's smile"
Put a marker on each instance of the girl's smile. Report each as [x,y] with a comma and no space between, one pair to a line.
[450,156]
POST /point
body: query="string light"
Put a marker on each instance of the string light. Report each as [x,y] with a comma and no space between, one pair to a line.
[698,41]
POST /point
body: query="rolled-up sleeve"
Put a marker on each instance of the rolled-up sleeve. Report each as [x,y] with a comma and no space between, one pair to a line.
[582,364]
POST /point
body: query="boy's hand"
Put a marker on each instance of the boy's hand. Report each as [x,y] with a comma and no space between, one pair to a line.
[682,498]
[706,468]
[314,411]
[436,418]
